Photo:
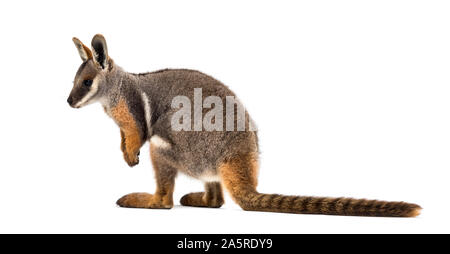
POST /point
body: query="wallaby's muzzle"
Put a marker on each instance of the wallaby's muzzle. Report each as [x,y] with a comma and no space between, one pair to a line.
[70,101]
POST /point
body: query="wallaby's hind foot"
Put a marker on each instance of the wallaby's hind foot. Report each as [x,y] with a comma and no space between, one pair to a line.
[145,200]
[165,181]
[212,197]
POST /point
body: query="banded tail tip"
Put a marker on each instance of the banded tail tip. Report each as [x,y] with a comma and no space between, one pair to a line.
[414,210]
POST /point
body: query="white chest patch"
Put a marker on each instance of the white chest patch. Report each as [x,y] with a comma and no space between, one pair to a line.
[158,142]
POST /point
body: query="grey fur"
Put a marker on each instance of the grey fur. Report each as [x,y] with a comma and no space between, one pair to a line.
[192,152]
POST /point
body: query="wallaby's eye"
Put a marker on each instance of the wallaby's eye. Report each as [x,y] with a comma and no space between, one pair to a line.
[87,82]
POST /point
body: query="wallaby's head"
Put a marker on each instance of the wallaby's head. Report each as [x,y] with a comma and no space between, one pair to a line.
[90,80]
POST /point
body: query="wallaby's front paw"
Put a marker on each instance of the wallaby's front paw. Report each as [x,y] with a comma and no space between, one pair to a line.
[131,160]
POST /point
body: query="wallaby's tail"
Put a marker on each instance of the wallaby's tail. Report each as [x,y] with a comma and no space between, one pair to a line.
[251,200]
[239,177]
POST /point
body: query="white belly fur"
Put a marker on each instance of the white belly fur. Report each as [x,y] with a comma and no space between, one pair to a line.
[209,177]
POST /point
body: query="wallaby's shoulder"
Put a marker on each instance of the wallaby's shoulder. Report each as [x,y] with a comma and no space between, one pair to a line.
[129,107]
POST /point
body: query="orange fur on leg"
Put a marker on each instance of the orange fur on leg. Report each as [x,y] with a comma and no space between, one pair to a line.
[131,138]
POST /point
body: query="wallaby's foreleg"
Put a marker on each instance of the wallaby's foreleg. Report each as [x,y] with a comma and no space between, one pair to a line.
[212,197]
[130,145]
[165,182]
[131,140]
[122,141]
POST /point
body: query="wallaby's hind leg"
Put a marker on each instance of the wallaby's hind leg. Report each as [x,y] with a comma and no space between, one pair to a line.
[212,197]
[165,182]
[239,177]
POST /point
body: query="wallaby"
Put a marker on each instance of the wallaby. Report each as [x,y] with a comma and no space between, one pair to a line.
[143,108]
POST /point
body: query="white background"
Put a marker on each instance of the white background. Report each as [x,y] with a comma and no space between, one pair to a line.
[351,99]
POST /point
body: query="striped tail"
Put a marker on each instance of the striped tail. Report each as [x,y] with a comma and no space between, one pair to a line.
[239,177]
[250,200]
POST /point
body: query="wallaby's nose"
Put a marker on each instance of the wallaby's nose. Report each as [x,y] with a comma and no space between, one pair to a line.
[70,100]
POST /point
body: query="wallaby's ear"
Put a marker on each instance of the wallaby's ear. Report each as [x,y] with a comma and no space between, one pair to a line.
[85,52]
[100,50]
